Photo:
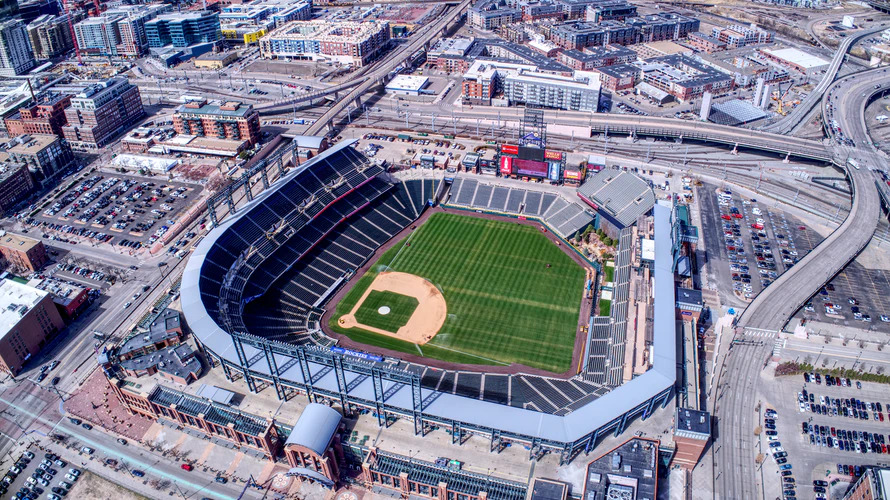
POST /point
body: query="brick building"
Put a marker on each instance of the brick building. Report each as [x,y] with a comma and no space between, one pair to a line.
[705,43]
[229,120]
[100,112]
[28,320]
[16,184]
[313,447]
[345,42]
[692,431]
[220,422]
[46,116]
[596,57]
[21,251]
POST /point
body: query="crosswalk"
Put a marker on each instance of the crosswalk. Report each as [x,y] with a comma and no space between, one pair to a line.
[759,332]
[778,345]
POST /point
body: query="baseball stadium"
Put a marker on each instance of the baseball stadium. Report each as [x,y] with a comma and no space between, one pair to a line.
[404,298]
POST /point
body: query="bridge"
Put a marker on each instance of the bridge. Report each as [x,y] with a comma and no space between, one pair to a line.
[380,74]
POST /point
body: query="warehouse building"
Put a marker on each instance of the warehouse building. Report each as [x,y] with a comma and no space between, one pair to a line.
[46,156]
[230,120]
[796,59]
[46,115]
[23,252]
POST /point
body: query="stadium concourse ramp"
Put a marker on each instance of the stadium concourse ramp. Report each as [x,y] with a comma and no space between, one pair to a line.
[291,236]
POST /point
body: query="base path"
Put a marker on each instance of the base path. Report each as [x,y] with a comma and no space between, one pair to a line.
[424,323]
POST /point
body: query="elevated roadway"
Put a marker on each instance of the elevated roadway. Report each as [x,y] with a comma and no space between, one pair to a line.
[796,117]
[285,105]
[736,445]
[380,73]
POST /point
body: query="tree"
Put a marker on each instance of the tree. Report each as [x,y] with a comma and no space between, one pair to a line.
[587,231]
[244,155]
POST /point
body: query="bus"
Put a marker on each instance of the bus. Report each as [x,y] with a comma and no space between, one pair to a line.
[853,163]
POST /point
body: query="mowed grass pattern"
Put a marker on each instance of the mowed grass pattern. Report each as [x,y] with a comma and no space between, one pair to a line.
[401,307]
[504,304]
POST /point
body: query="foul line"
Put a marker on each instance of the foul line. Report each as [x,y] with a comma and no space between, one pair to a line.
[468,354]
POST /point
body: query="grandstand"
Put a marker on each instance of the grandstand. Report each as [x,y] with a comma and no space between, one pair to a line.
[255,288]
[565,217]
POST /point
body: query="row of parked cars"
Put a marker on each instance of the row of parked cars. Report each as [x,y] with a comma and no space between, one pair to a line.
[845,440]
[779,454]
[42,477]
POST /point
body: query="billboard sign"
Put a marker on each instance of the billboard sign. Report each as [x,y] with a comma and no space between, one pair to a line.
[553,155]
[509,149]
[506,165]
[573,174]
[533,154]
[357,354]
[530,168]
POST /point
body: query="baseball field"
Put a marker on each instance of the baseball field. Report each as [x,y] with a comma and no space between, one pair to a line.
[512,296]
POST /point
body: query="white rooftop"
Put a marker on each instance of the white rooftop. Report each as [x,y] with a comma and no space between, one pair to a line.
[407,82]
[797,56]
[16,299]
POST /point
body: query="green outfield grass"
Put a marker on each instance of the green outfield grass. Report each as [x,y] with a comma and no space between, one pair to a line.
[504,304]
[401,307]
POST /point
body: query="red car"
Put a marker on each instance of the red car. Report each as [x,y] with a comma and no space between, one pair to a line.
[725,217]
[737,216]
[757,226]
[186,467]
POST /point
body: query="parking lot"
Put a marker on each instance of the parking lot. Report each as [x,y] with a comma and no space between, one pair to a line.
[38,475]
[856,297]
[828,438]
[753,243]
[119,209]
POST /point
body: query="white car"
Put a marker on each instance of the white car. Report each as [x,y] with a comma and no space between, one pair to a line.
[75,472]
[70,477]
[777,449]
[803,407]
[885,318]
[756,211]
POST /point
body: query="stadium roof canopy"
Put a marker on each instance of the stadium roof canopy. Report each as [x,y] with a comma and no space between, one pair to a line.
[315,428]
[622,195]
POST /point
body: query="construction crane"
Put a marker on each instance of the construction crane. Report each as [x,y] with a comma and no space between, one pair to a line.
[780,100]
[64,8]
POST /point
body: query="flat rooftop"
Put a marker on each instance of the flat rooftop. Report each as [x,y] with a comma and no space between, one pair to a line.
[16,300]
[797,56]
[23,243]
[628,471]
[30,143]
[327,31]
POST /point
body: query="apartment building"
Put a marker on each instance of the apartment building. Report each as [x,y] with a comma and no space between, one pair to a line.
[101,111]
[345,42]
[596,57]
[492,14]
[118,32]
[50,36]
[16,56]
[229,120]
[737,35]
[683,77]
[617,10]
[551,91]
[705,43]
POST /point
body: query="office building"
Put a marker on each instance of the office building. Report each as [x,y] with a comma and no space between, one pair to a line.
[46,156]
[101,111]
[28,320]
[50,36]
[16,184]
[344,42]
[23,252]
[29,10]
[45,116]
[552,91]
[16,56]
[183,29]
[231,120]
[248,22]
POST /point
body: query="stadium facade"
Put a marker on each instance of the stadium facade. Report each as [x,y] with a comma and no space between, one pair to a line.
[307,234]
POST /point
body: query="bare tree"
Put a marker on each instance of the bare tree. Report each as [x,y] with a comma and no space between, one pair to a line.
[861,344]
